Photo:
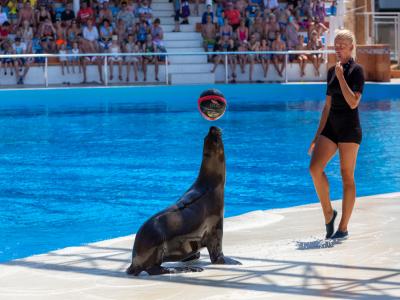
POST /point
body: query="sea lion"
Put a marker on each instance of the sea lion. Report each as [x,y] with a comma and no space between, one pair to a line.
[194,222]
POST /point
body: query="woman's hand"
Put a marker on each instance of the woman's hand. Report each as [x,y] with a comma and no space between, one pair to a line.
[311,148]
[339,70]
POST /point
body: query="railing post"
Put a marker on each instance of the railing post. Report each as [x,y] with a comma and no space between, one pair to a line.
[46,75]
[105,71]
[286,65]
[226,68]
[166,70]
[397,32]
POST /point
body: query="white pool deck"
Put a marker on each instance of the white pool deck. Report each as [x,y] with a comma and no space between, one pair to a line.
[283,255]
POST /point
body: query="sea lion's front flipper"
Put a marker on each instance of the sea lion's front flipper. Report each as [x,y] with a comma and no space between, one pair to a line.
[195,256]
[159,270]
[225,260]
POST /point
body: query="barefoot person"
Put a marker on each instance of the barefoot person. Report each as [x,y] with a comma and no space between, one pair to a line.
[339,128]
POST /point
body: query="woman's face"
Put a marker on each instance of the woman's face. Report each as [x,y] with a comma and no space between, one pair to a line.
[343,48]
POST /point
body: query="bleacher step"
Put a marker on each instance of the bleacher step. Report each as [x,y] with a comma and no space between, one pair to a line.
[193,78]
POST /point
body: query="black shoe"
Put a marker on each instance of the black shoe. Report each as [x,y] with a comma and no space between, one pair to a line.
[330,227]
[340,235]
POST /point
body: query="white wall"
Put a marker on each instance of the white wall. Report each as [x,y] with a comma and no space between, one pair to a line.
[35,75]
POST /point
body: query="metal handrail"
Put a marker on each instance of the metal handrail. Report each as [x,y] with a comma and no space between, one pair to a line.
[166,54]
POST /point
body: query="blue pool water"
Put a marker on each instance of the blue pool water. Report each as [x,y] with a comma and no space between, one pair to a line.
[77,174]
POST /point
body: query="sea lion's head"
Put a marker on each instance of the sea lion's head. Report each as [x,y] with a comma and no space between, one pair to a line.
[213,154]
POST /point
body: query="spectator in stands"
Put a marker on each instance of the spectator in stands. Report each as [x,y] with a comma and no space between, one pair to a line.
[21,62]
[254,45]
[26,14]
[42,14]
[209,34]
[258,28]
[63,58]
[61,34]
[116,58]
[207,13]
[106,33]
[26,34]
[126,15]
[114,9]
[47,34]
[271,4]
[315,44]
[302,58]
[46,3]
[278,59]
[232,58]
[317,26]
[292,32]
[242,58]
[75,60]
[282,16]
[242,32]
[91,34]
[132,47]
[177,8]
[85,13]
[68,14]
[319,10]
[144,11]
[3,15]
[149,48]
[333,8]
[218,47]
[8,62]
[233,15]
[73,32]
[105,13]
[226,31]
[121,31]
[271,28]
[142,32]
[86,47]
[265,58]
[185,8]
[219,13]
[157,33]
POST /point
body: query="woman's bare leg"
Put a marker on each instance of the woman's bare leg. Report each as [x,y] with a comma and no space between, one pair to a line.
[348,157]
[323,152]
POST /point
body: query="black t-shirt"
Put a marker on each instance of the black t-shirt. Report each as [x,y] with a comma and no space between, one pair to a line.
[354,76]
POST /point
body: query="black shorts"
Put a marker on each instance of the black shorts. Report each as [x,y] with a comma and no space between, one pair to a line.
[343,129]
[177,15]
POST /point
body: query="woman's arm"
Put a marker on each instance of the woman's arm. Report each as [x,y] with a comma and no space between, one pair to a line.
[322,122]
[352,98]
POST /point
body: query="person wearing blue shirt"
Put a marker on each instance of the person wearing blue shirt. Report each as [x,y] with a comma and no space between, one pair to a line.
[208,12]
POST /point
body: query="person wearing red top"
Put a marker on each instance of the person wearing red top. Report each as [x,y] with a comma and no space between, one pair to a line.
[85,13]
[233,15]
[4,31]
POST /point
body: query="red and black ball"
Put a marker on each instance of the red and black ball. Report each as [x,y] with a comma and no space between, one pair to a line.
[212,104]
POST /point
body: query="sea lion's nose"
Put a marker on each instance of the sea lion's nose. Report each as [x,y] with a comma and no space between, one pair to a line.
[215,131]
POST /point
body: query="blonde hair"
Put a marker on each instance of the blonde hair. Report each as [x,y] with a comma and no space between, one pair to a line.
[345,34]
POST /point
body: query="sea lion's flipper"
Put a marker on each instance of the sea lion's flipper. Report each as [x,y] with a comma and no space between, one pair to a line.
[192,257]
[159,270]
[224,260]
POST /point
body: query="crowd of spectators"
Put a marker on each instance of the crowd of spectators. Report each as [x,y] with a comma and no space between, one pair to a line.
[102,26]
[266,25]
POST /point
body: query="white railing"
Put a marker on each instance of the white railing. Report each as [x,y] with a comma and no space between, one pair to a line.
[167,55]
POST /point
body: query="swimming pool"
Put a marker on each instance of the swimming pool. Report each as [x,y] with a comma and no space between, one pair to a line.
[83,165]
